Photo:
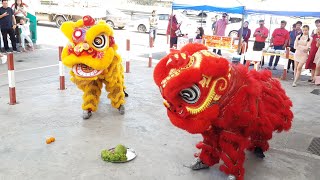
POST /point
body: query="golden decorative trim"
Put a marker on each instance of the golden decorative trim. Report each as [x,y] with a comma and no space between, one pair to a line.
[211,96]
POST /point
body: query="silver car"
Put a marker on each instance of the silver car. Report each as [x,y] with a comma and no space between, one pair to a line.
[116,18]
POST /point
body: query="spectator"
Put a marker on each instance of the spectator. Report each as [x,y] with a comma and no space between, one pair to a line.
[153,22]
[280,38]
[173,26]
[246,33]
[20,12]
[200,33]
[214,22]
[313,50]
[8,25]
[302,45]
[220,28]
[25,34]
[260,35]
[296,31]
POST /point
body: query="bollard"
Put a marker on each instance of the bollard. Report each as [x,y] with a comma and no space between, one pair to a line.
[168,44]
[128,56]
[61,71]
[150,51]
[11,79]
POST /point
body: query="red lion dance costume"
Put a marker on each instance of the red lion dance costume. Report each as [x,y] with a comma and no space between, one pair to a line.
[234,109]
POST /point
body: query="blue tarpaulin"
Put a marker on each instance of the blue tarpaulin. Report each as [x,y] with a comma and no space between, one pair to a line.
[308,8]
[290,8]
[227,6]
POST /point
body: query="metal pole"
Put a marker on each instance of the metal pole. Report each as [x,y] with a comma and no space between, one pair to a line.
[201,17]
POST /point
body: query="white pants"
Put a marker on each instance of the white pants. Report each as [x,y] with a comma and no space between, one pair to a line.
[24,37]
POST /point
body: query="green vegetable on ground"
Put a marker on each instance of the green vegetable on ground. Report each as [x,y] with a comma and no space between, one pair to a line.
[116,155]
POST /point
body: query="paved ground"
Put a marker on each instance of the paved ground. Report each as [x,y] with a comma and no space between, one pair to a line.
[162,149]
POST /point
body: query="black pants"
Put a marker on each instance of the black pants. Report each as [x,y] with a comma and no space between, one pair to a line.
[290,60]
[5,33]
[219,51]
[173,41]
[258,46]
[277,58]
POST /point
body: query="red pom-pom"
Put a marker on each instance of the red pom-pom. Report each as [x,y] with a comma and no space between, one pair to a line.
[88,21]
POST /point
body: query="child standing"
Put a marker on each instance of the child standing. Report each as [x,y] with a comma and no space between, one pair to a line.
[25,34]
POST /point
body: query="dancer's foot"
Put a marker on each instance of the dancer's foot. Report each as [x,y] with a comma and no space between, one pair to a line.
[231,177]
[198,164]
[294,84]
[86,114]
[126,94]
[122,110]
[259,152]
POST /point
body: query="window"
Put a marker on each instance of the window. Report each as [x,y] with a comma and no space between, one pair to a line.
[163,17]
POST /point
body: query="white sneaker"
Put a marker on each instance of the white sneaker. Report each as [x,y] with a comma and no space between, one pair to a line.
[294,84]
[3,59]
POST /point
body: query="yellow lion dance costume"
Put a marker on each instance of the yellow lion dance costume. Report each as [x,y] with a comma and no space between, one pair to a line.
[91,55]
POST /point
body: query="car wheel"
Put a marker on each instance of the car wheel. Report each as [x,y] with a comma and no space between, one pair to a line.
[202,14]
[59,21]
[120,27]
[111,24]
[142,28]
[233,34]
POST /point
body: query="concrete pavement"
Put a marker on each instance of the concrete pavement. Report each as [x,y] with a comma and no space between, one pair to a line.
[162,149]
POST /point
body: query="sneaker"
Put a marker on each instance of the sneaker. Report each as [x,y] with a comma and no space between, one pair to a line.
[269,68]
[294,84]
[274,68]
[16,51]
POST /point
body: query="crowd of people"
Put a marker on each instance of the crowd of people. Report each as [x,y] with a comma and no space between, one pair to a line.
[305,46]
[14,23]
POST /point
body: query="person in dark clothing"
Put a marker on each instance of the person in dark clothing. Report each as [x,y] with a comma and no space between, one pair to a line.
[8,25]
[200,33]
[296,31]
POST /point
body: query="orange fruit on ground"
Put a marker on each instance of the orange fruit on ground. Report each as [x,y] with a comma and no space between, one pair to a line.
[48,141]
[52,139]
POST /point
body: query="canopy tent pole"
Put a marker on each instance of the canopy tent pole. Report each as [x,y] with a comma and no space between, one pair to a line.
[201,17]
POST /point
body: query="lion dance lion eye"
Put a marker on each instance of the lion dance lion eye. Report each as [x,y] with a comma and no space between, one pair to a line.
[191,95]
[100,42]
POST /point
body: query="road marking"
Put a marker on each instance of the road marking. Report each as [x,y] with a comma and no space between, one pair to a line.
[42,67]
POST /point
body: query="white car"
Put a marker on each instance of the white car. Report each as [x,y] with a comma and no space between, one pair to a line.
[187,26]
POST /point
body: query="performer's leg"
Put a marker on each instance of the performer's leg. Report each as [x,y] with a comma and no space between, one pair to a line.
[209,154]
[232,153]
[91,96]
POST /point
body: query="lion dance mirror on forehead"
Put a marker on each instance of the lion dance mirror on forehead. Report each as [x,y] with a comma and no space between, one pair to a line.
[232,108]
